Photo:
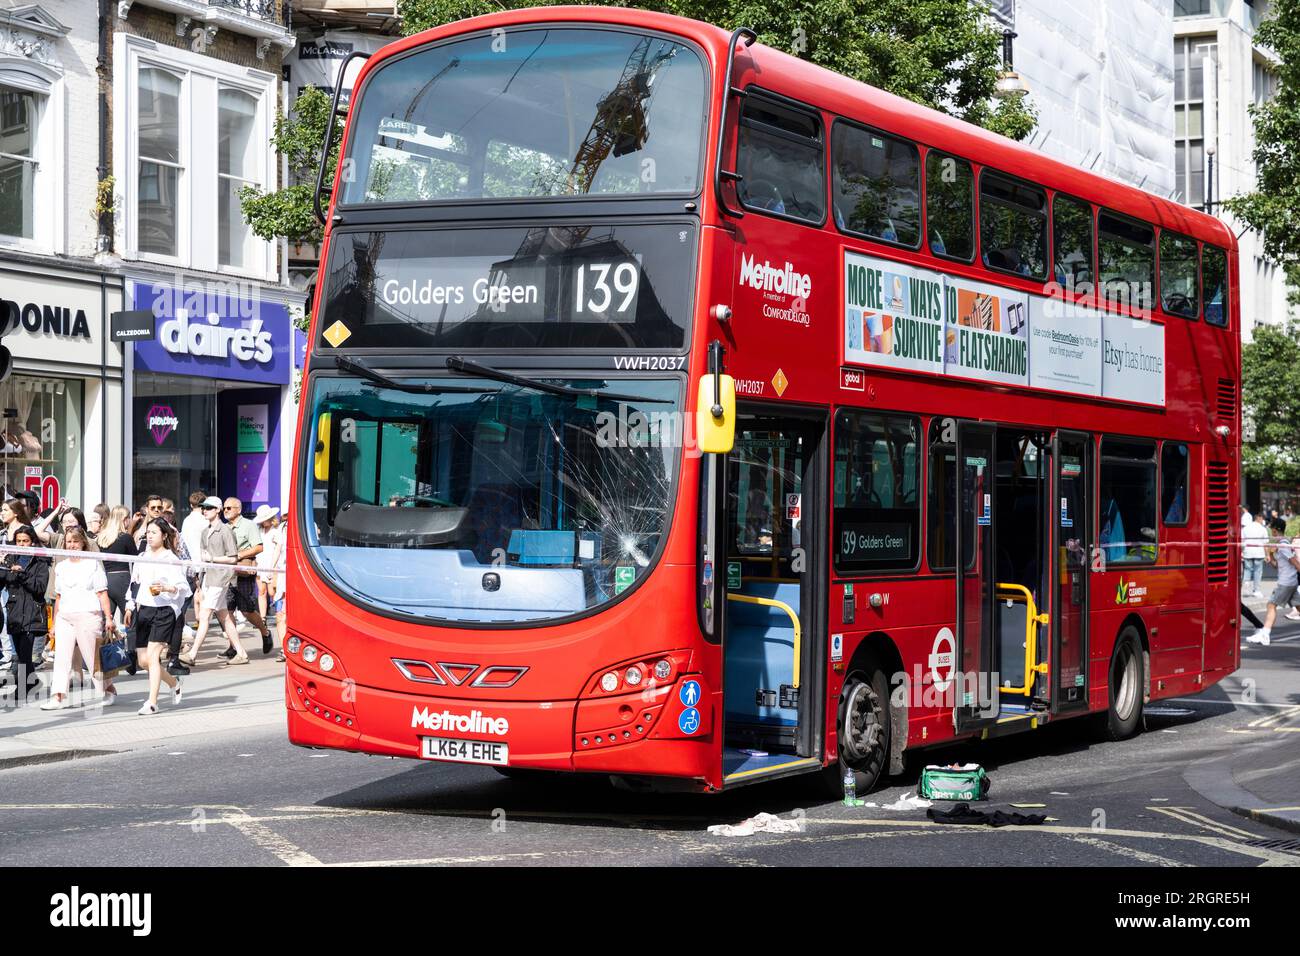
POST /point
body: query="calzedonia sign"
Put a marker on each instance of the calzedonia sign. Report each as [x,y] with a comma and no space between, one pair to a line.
[214,332]
[901,317]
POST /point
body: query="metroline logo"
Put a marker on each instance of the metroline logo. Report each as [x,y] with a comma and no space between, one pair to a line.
[768,278]
[473,723]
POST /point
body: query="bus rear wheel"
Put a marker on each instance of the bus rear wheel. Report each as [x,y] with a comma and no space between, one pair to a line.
[1127,683]
[863,728]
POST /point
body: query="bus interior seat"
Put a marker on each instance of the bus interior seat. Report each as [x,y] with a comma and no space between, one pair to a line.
[760,654]
[495,511]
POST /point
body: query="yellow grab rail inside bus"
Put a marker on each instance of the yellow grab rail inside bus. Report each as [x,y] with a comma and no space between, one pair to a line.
[794,619]
[1018,592]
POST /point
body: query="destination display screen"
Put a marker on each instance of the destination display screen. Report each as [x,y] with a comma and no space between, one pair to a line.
[607,287]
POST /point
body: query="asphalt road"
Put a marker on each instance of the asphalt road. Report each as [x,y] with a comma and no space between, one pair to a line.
[249,798]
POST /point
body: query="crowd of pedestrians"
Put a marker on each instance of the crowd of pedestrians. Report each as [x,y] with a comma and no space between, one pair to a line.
[100,616]
[1266,541]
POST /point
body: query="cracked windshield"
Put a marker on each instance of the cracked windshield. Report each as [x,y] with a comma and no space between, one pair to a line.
[482,502]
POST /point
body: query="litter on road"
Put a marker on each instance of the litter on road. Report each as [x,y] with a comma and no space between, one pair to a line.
[761,823]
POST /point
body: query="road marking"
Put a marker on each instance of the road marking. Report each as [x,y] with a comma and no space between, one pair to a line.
[1128,851]
[288,852]
[1279,717]
[1228,703]
[1187,815]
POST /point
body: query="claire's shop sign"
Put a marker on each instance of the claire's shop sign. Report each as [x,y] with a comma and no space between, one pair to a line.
[214,332]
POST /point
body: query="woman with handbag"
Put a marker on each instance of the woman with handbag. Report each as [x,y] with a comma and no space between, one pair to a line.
[82,613]
[158,592]
[24,578]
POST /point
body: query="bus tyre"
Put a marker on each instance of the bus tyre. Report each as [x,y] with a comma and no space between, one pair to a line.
[1127,682]
[863,728]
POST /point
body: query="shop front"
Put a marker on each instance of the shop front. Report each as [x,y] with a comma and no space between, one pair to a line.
[212,407]
[61,408]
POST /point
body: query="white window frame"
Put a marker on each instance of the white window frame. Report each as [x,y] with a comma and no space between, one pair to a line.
[49,202]
[202,77]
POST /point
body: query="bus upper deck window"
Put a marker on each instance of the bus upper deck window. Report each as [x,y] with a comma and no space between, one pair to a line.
[780,158]
[1071,241]
[950,206]
[877,185]
[1214,285]
[1127,260]
[1178,275]
[1013,226]
[538,112]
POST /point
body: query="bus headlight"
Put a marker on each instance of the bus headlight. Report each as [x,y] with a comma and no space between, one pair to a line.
[293,644]
[309,653]
[326,662]
[633,676]
[609,683]
[663,670]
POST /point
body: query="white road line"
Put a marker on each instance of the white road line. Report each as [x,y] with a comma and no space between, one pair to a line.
[1224,703]
[1197,820]
[1128,851]
[288,852]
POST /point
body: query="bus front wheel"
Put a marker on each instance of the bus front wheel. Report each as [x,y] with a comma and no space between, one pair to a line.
[863,728]
[1127,686]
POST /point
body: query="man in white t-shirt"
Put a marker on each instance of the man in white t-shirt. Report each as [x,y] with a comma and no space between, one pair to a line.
[1254,537]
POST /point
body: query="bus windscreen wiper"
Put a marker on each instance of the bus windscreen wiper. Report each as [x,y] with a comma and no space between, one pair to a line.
[468,367]
[358,368]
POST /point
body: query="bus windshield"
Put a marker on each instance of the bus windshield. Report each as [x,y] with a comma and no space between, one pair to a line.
[529,113]
[477,501]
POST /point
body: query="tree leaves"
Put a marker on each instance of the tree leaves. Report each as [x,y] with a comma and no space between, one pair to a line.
[1270,392]
[1274,206]
[945,54]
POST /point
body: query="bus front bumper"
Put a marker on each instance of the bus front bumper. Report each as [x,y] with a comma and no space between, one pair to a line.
[649,732]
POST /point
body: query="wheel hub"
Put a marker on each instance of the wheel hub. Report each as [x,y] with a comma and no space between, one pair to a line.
[862,727]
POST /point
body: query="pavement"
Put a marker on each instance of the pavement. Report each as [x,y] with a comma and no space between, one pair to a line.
[217,698]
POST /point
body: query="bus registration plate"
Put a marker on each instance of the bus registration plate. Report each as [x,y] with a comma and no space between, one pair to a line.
[466,751]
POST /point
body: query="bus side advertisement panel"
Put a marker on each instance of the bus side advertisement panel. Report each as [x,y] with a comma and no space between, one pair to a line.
[901,317]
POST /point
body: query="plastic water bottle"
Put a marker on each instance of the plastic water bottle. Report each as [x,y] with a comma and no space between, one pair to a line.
[850,787]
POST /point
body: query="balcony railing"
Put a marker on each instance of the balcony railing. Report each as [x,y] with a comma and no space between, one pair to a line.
[259,9]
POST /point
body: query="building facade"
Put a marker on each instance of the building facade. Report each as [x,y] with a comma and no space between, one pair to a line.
[1104,92]
[61,409]
[1219,72]
[196,85]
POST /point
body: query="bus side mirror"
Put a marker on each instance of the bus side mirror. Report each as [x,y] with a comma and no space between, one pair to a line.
[321,464]
[716,433]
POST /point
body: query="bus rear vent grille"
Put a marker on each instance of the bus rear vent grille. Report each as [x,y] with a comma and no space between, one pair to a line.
[1227,399]
[1218,555]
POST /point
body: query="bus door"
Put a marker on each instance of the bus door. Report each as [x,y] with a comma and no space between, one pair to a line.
[1071,546]
[773,545]
[974,687]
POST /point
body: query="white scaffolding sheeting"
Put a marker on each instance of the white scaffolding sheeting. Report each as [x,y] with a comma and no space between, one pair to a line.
[1101,75]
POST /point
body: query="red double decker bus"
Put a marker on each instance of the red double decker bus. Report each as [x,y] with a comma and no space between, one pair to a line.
[681,411]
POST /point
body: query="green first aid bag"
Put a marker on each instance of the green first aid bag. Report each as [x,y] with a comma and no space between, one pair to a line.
[968,782]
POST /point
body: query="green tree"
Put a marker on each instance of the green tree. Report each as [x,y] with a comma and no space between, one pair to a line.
[288,212]
[945,54]
[1270,391]
[1274,206]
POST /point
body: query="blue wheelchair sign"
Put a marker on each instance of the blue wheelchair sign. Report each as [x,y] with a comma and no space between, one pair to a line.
[689,721]
[690,693]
